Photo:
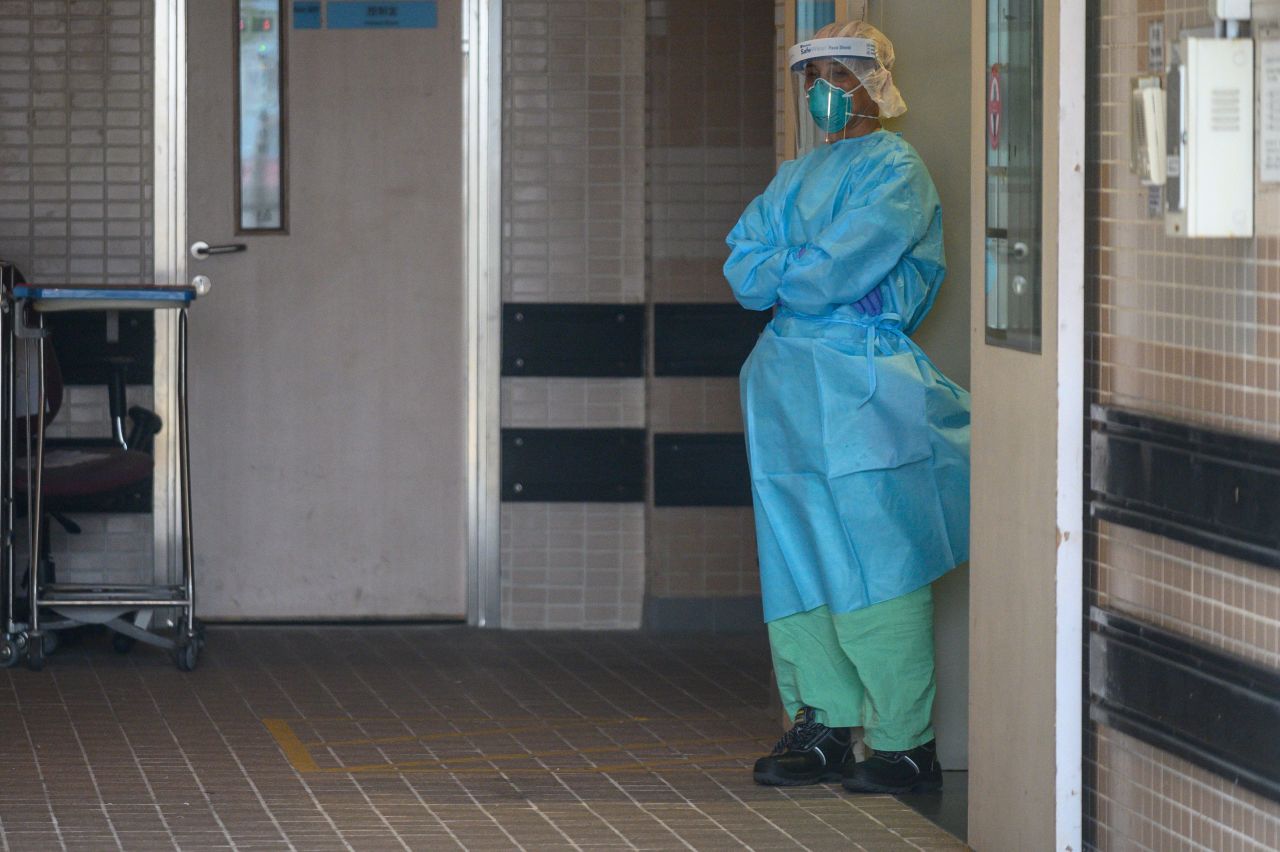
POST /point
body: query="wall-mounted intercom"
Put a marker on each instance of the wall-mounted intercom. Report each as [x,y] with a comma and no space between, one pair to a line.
[1209,185]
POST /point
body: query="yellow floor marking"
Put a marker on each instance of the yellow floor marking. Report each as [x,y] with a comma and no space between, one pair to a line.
[521,719]
[646,766]
[410,738]
[297,754]
[300,758]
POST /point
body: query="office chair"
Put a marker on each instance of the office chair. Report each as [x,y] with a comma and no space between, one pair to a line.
[80,474]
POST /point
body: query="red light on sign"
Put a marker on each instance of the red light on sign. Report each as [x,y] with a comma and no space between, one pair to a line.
[266,25]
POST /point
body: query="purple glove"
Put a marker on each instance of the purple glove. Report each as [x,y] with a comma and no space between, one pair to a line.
[870,304]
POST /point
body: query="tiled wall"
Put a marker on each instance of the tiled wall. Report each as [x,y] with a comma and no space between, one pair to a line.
[1190,330]
[573,145]
[572,565]
[710,137]
[75,199]
[573,228]
[573,403]
[1150,799]
[75,138]
[711,150]
[627,160]
[702,553]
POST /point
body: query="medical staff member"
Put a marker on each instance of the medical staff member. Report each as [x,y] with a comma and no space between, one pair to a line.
[859,446]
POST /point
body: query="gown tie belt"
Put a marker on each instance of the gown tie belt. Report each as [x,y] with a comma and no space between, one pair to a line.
[877,328]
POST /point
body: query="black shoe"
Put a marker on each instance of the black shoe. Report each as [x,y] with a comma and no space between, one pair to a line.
[914,771]
[809,753]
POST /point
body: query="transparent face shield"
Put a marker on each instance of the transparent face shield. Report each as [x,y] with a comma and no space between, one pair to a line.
[825,72]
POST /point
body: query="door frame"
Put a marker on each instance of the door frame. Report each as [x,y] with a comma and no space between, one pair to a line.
[1027,580]
[480,70]
[169,216]
[482,256]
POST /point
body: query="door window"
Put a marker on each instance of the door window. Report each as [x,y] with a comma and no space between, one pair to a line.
[1012,142]
[260,117]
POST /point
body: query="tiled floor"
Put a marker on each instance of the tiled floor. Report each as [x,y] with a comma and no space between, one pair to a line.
[374,738]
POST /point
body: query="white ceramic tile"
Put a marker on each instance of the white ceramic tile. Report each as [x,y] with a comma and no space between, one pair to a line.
[589,561]
[597,201]
[573,403]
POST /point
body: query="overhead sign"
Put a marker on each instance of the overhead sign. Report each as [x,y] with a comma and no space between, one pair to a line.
[382,16]
[306,15]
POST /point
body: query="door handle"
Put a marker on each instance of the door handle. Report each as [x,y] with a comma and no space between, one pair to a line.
[201,250]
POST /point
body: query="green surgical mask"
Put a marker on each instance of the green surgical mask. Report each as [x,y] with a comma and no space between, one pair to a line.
[831,106]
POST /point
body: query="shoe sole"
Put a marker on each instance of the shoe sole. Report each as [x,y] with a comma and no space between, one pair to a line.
[867,787]
[770,780]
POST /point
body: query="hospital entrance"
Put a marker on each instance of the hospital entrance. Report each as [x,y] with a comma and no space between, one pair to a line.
[377,474]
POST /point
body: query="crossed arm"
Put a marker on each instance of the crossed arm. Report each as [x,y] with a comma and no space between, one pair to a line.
[860,258]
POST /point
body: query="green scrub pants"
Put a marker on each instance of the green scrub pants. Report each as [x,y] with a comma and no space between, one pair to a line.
[871,668]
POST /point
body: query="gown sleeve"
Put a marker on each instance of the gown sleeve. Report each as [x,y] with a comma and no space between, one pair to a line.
[758,256]
[870,244]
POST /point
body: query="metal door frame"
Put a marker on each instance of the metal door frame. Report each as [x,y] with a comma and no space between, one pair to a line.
[481,72]
[482,255]
[169,214]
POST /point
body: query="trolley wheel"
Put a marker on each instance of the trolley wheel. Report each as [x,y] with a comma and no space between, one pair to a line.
[186,656]
[35,656]
[10,651]
[49,642]
[123,644]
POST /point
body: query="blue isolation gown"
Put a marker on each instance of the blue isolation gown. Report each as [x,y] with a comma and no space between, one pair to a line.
[859,446]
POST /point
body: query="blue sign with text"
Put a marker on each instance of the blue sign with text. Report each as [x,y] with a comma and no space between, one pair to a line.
[306,15]
[382,16]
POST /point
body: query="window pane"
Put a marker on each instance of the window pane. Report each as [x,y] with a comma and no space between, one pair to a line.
[1013,144]
[813,15]
[261,191]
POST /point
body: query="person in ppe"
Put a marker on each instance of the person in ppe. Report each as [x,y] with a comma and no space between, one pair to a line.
[858,445]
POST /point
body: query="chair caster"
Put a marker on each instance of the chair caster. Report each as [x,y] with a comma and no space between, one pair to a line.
[187,655]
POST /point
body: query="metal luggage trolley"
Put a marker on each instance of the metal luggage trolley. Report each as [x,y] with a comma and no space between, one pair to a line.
[52,606]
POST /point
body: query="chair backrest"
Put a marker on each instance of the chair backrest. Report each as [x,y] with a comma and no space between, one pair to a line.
[25,353]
